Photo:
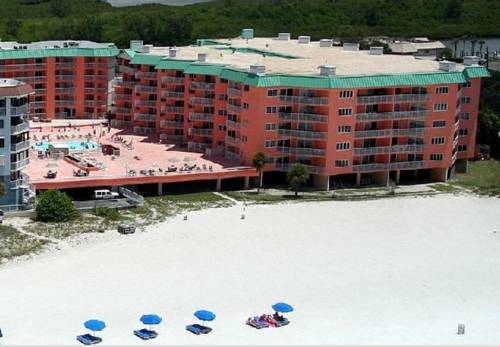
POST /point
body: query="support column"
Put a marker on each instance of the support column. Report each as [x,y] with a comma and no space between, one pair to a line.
[440,174]
[358,179]
[381,178]
[398,176]
[218,184]
[160,188]
[246,185]
[321,182]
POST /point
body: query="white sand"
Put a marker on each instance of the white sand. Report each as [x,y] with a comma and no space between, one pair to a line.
[388,271]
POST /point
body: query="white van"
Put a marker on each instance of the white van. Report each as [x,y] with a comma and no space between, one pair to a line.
[105,194]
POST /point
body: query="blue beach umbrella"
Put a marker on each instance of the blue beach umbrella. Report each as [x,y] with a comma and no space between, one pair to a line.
[204,315]
[94,325]
[150,319]
[282,307]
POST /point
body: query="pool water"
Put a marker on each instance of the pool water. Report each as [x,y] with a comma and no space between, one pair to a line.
[72,145]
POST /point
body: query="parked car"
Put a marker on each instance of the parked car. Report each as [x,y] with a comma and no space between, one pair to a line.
[105,194]
[126,229]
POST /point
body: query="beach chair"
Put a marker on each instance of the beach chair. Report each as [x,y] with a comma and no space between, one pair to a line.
[257,322]
[277,323]
[146,334]
[198,329]
[88,339]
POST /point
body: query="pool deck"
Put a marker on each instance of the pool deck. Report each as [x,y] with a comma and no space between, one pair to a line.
[144,154]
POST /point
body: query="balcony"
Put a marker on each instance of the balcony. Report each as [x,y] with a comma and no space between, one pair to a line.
[20,183]
[207,117]
[122,110]
[20,128]
[145,89]
[171,124]
[18,67]
[123,97]
[173,79]
[411,97]
[408,131]
[142,74]
[234,92]
[172,109]
[232,141]
[145,117]
[201,101]
[95,90]
[149,103]
[120,123]
[198,146]
[375,99]
[373,133]
[70,90]
[235,157]
[94,103]
[172,95]
[388,149]
[126,69]
[144,130]
[96,77]
[233,108]
[126,84]
[388,166]
[68,77]
[65,65]
[303,117]
[171,137]
[65,103]
[233,125]
[307,134]
[20,146]
[19,165]
[310,168]
[309,100]
[374,116]
[303,151]
[31,79]
[201,132]
[19,110]
[203,85]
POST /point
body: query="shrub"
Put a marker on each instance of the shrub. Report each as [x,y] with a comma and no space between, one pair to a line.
[55,206]
[108,213]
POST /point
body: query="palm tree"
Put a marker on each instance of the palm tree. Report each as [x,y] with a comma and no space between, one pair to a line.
[259,161]
[455,44]
[297,176]
[481,43]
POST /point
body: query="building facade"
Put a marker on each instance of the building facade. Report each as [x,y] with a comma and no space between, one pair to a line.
[14,143]
[71,79]
[363,117]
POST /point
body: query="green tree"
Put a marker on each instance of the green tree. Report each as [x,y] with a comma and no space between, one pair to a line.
[297,176]
[55,206]
[12,26]
[454,9]
[455,44]
[59,8]
[259,161]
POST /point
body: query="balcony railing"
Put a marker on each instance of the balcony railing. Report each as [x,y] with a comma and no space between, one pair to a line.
[236,157]
[374,116]
[20,164]
[171,137]
[388,166]
[388,149]
[20,128]
[173,79]
[21,146]
[65,77]
[18,110]
[203,85]
[373,133]
[171,124]
[310,168]
[145,89]
[65,65]
[95,90]
[302,151]
[411,97]
[234,92]
[308,134]
[172,95]
[142,74]
[233,125]
[120,123]
[232,140]
[70,90]
[207,117]
[375,99]
[144,130]
[201,132]
[198,146]
[126,69]
[22,67]
[408,131]
[310,100]
[233,108]
[304,117]
[149,103]
[31,79]
[172,109]
[145,117]
[122,110]
[201,101]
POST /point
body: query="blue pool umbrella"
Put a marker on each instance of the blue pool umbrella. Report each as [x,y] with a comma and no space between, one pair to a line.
[204,315]
[150,319]
[282,307]
[94,325]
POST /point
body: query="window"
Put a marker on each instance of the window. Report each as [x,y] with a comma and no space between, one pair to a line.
[467,84]
[272,92]
[246,87]
[341,163]
[437,140]
[439,124]
[345,111]
[244,139]
[462,148]
[271,126]
[271,109]
[222,112]
[437,156]
[345,94]
[344,129]
[464,115]
[1,123]
[223,97]
[270,144]
[2,142]
[442,90]
[342,146]
[222,127]
[463,132]
[466,100]
[440,107]
[246,106]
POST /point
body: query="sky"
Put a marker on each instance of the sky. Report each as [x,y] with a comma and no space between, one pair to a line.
[165,2]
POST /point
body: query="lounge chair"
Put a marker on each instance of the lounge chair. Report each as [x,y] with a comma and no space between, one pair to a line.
[88,339]
[257,322]
[145,334]
[271,319]
[198,329]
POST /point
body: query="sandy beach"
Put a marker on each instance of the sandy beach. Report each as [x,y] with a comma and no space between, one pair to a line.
[390,271]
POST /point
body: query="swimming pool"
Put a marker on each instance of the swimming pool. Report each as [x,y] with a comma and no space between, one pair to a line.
[72,145]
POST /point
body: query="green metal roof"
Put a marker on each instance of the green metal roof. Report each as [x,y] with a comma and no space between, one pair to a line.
[476,72]
[173,64]
[130,52]
[204,69]
[110,51]
[146,59]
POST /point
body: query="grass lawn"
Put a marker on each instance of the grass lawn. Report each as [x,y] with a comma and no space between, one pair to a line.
[483,177]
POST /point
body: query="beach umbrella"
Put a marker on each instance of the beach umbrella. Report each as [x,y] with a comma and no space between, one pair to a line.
[150,319]
[282,307]
[94,325]
[204,315]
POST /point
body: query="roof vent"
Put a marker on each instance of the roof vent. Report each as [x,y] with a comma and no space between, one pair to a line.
[284,36]
[257,69]
[327,70]
[447,66]
[146,49]
[350,47]
[304,39]
[172,52]
[136,45]
[376,50]
[247,34]
[471,60]
[202,57]
[325,43]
